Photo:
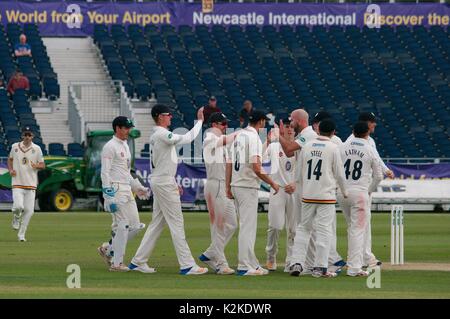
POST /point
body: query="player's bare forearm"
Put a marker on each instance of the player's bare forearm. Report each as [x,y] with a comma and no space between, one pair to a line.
[10,164]
[289,147]
[257,168]
[227,139]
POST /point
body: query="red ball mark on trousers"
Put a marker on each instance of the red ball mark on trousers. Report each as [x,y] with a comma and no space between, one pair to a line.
[210,204]
[361,211]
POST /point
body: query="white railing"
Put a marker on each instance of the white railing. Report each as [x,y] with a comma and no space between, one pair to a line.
[417,160]
[75,117]
[94,104]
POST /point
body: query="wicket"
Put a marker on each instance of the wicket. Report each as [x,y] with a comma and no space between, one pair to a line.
[397,242]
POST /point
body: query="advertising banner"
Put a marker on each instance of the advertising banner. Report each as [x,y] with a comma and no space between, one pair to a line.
[72,18]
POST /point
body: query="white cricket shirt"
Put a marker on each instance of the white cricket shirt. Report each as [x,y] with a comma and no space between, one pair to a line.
[163,154]
[361,167]
[371,142]
[116,163]
[282,168]
[214,157]
[26,176]
[321,171]
[246,145]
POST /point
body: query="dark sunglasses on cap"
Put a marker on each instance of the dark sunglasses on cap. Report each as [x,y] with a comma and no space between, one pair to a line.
[27,134]
[166,114]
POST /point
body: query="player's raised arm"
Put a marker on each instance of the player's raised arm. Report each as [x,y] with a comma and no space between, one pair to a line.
[289,147]
[177,139]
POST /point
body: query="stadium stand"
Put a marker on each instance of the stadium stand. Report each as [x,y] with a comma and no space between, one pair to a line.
[399,74]
[15,110]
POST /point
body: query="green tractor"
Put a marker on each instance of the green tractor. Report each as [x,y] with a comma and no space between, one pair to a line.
[68,178]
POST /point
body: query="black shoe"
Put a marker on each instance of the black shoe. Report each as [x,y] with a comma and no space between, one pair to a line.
[295,270]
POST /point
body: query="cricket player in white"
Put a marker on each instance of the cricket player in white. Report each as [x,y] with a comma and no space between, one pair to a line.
[320,171]
[363,174]
[117,187]
[222,211]
[243,183]
[24,160]
[166,202]
[335,261]
[282,205]
[369,258]
[305,134]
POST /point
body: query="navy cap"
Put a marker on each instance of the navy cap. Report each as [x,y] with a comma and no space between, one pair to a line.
[367,117]
[217,117]
[122,121]
[27,129]
[320,116]
[158,109]
[360,128]
[285,118]
[256,116]
[327,126]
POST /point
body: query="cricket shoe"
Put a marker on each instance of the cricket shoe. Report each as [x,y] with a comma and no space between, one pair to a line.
[15,222]
[207,261]
[253,272]
[337,267]
[373,263]
[271,265]
[306,271]
[22,238]
[319,272]
[120,268]
[295,270]
[144,268]
[361,273]
[225,271]
[103,252]
[195,270]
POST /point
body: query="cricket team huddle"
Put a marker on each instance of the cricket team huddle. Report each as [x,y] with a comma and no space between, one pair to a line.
[311,169]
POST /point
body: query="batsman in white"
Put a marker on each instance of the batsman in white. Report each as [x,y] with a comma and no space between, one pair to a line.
[117,187]
[282,210]
[243,177]
[363,174]
[335,262]
[222,212]
[320,171]
[166,193]
[24,161]
[369,258]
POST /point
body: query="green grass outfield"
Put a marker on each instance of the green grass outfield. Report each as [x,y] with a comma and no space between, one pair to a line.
[37,268]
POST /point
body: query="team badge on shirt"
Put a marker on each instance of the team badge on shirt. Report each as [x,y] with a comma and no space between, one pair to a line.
[281,154]
[288,166]
[24,161]
[170,136]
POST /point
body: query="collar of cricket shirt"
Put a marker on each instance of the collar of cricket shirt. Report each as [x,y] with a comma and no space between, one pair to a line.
[119,140]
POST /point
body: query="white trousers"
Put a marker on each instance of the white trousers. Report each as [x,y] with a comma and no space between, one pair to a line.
[166,209]
[356,211]
[125,222]
[126,210]
[368,257]
[317,218]
[223,221]
[246,202]
[23,205]
[282,213]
